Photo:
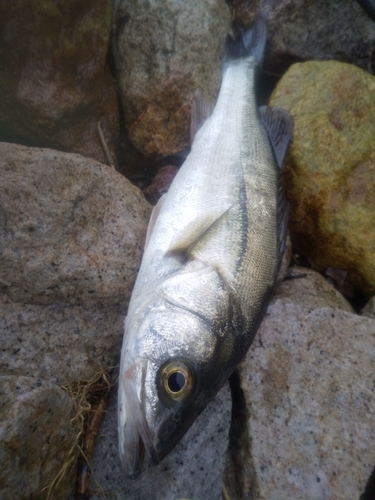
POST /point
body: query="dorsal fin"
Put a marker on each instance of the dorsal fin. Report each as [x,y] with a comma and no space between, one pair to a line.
[200,111]
[279,126]
[154,215]
[194,233]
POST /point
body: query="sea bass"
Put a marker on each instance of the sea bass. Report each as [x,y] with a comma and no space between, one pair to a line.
[209,265]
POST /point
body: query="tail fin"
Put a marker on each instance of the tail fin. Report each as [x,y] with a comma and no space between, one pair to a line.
[250,44]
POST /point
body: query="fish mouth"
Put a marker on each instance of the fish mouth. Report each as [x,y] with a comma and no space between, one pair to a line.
[134,434]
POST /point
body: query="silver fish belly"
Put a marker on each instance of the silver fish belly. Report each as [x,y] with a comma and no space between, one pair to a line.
[207,272]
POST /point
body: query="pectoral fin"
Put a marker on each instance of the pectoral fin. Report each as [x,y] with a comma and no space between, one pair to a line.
[194,234]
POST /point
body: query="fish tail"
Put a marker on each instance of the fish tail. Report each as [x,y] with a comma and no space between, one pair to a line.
[251,43]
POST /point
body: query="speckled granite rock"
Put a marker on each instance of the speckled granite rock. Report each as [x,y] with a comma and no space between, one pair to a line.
[311,290]
[167,51]
[35,438]
[308,388]
[330,171]
[369,309]
[302,30]
[71,237]
[55,84]
[193,470]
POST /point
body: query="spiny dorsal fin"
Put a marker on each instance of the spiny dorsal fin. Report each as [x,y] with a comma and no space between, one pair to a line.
[194,234]
[154,215]
[200,111]
[279,126]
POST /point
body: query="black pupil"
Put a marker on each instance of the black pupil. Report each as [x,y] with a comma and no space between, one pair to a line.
[176,381]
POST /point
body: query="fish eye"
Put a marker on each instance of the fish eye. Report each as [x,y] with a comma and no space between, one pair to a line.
[176,380]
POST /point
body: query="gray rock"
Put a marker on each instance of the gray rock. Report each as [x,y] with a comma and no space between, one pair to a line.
[308,388]
[71,237]
[167,51]
[35,439]
[193,470]
[311,290]
[302,30]
[369,309]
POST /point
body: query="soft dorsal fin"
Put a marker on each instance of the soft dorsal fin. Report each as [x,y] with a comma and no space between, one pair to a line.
[279,126]
[194,233]
[200,111]
[154,215]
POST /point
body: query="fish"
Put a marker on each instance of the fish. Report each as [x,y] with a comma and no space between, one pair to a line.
[213,249]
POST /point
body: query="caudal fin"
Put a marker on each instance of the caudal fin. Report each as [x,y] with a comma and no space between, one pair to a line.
[250,44]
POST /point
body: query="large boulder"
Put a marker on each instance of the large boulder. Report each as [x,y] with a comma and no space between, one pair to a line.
[307,391]
[167,51]
[72,233]
[330,171]
[302,30]
[55,85]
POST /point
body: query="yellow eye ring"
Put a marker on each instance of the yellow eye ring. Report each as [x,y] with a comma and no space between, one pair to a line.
[177,380]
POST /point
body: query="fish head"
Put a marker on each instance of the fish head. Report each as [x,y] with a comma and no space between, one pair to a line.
[169,373]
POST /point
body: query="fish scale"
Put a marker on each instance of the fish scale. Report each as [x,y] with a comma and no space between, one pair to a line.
[208,268]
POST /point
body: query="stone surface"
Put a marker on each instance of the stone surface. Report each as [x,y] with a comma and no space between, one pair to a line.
[72,233]
[193,470]
[369,309]
[55,84]
[301,30]
[330,171]
[308,391]
[160,184]
[35,438]
[311,290]
[167,51]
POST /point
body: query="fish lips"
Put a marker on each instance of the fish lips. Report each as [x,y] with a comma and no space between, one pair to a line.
[136,437]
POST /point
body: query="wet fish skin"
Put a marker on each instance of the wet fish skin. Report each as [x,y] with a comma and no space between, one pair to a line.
[208,268]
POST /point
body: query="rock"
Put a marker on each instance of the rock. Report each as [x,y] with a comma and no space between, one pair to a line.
[160,183]
[35,439]
[302,30]
[329,174]
[71,239]
[307,388]
[54,81]
[369,309]
[193,470]
[311,290]
[168,50]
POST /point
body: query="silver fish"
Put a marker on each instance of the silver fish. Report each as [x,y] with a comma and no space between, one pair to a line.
[209,265]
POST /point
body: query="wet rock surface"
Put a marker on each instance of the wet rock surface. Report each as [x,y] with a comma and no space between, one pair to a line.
[35,438]
[329,173]
[308,388]
[167,52]
[55,85]
[72,234]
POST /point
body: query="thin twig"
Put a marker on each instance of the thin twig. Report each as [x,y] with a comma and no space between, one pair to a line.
[104,146]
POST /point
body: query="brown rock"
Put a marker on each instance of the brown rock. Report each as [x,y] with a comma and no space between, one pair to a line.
[167,51]
[160,183]
[54,82]
[36,437]
[330,171]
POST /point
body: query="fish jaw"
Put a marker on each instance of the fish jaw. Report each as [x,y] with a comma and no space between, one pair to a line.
[134,434]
